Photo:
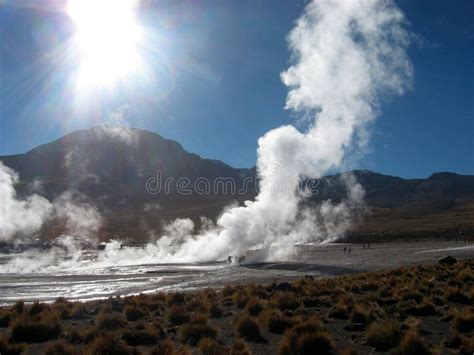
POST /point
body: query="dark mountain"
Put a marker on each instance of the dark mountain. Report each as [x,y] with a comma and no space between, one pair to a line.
[387,191]
[124,171]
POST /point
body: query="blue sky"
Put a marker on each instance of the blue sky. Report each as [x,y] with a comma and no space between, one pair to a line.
[216,88]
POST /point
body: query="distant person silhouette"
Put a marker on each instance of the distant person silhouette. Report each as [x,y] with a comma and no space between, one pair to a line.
[345,250]
[349,250]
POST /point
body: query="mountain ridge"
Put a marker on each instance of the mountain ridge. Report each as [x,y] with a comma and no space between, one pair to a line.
[112,165]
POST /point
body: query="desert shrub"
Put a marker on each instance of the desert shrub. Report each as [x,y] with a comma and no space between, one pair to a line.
[321,301]
[192,333]
[241,299]
[467,346]
[215,311]
[19,307]
[248,328]
[139,337]
[73,335]
[5,318]
[286,301]
[465,276]
[454,340]
[464,321]
[413,344]
[133,313]
[339,311]
[307,343]
[349,350]
[164,347]
[197,305]
[29,331]
[425,308]
[409,293]
[228,290]
[384,335]
[305,338]
[9,349]
[208,346]
[61,300]
[110,321]
[177,315]
[240,348]
[455,295]
[79,311]
[198,318]
[278,323]
[360,314]
[59,348]
[254,307]
[108,344]
[62,310]
[176,299]
[37,308]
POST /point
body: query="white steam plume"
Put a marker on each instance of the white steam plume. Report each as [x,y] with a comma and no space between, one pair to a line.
[347,56]
[24,217]
[19,216]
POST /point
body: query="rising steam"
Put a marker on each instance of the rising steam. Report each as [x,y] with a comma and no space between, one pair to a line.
[346,57]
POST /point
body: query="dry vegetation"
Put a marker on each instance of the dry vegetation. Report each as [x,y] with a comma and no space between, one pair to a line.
[413,310]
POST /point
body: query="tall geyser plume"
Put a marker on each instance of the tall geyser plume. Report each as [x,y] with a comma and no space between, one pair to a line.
[346,56]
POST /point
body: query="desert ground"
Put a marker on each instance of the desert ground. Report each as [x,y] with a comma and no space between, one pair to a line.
[389,297]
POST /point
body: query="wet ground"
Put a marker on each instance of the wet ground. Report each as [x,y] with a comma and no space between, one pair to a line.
[85,283]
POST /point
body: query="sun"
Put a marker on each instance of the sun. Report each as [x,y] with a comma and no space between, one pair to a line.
[107,40]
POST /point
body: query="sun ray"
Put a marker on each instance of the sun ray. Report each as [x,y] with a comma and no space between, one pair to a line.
[107,37]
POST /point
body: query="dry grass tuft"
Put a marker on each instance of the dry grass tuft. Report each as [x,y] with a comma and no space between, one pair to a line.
[455,295]
[106,345]
[38,308]
[361,314]
[248,328]
[254,307]
[7,348]
[240,348]
[5,318]
[133,313]
[59,348]
[79,311]
[384,335]
[413,344]
[277,322]
[193,333]
[464,321]
[31,331]
[305,338]
[110,321]
[215,311]
[165,347]
[141,337]
[286,301]
[208,346]
[177,315]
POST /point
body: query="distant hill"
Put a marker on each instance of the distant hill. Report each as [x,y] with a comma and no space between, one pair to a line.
[118,169]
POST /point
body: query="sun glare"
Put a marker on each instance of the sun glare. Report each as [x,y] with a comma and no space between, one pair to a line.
[107,38]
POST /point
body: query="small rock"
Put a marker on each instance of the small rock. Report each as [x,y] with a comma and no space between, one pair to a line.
[448,260]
